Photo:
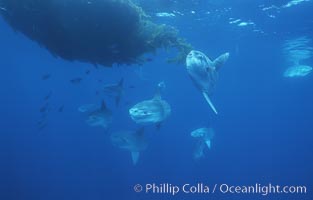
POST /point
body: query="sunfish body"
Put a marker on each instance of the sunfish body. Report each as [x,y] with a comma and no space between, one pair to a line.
[298,71]
[115,90]
[204,134]
[87,108]
[152,111]
[135,142]
[199,150]
[204,72]
[97,116]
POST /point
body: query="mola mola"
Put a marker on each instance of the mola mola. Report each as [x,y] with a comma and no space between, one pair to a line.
[204,72]
[97,116]
[298,71]
[133,141]
[152,111]
[199,150]
[115,90]
[204,134]
[87,108]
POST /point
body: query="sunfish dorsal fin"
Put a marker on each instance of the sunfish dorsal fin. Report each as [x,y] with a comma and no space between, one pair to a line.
[157,94]
[208,143]
[207,98]
[103,105]
[135,157]
[219,61]
[120,91]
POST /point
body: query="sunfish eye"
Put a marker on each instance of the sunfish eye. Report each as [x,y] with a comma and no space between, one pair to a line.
[199,56]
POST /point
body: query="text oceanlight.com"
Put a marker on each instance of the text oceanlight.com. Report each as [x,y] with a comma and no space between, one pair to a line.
[201,188]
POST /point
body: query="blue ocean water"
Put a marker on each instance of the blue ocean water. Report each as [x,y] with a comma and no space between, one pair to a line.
[263,129]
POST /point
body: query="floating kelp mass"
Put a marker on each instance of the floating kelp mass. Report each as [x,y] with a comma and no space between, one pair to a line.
[96,31]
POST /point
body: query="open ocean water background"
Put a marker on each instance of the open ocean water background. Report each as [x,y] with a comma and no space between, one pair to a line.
[264,131]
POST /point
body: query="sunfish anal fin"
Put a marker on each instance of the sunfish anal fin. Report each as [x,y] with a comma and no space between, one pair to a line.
[157,95]
[207,98]
[135,157]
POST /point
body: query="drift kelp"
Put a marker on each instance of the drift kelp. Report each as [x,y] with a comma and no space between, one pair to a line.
[96,31]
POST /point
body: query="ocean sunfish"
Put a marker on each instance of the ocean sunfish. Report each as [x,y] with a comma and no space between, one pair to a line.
[204,137]
[204,134]
[133,141]
[298,71]
[204,72]
[152,111]
[115,90]
[97,116]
